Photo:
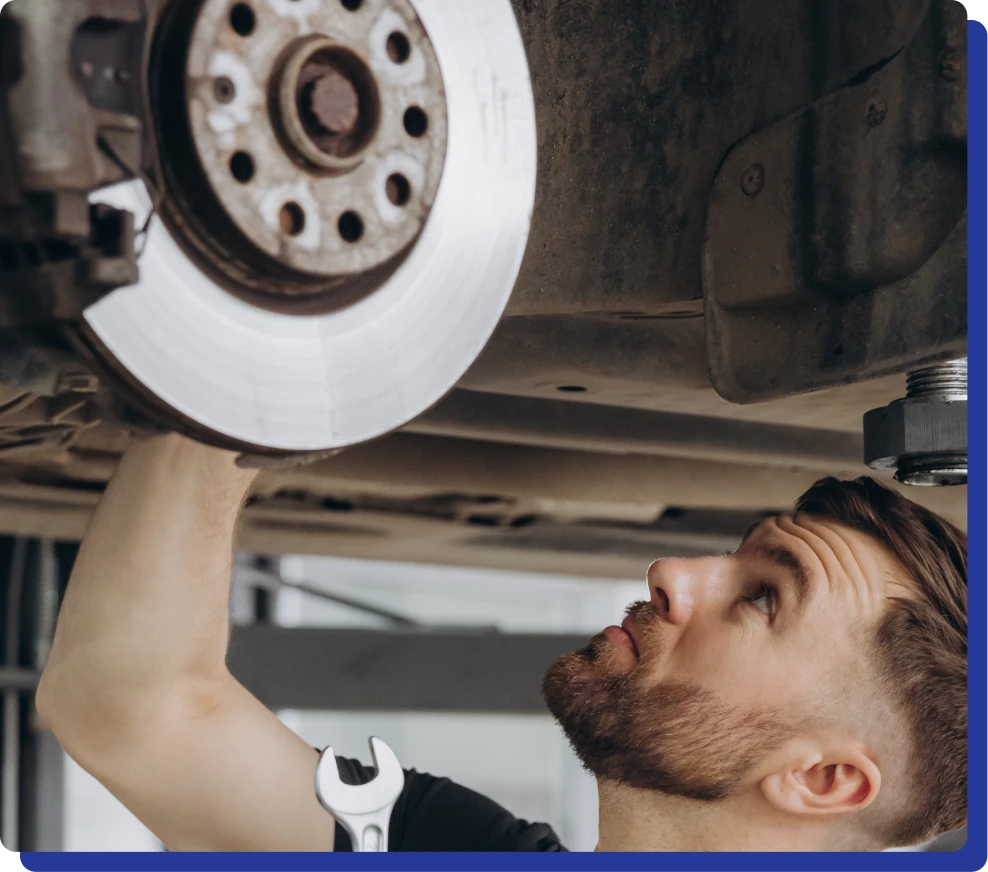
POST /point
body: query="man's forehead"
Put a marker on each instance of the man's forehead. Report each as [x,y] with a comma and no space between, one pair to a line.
[846,555]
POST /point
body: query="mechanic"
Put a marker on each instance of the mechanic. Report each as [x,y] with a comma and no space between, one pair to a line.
[805,693]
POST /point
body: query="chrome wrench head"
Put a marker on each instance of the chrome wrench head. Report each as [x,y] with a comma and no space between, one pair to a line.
[363,810]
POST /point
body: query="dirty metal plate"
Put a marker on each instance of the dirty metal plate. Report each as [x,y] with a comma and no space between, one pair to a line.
[836,243]
[243,78]
[301,383]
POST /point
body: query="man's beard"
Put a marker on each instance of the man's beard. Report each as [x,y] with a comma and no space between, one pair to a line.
[672,737]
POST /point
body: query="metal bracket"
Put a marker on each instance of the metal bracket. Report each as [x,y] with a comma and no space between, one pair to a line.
[71,106]
[836,238]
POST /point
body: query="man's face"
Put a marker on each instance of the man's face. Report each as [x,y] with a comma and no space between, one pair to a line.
[730,657]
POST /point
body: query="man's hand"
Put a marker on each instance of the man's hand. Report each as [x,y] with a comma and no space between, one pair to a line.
[136,687]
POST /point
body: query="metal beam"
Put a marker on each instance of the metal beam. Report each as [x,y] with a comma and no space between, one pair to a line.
[363,670]
[614,430]
[17,679]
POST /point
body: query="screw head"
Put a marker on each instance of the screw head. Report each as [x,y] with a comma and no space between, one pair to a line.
[950,65]
[753,180]
[877,111]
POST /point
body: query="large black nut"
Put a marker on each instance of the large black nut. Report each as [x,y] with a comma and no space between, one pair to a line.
[914,427]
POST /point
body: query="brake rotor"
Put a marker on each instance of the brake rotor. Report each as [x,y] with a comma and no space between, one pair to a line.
[349,190]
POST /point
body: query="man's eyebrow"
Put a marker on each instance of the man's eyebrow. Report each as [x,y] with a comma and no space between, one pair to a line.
[791,562]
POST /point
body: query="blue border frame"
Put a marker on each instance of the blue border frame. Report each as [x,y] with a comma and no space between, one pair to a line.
[973,856]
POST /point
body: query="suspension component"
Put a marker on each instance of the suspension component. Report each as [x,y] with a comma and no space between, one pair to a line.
[923,437]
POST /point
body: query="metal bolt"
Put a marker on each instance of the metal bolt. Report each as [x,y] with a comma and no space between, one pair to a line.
[877,110]
[753,180]
[950,65]
[329,100]
[944,383]
[224,90]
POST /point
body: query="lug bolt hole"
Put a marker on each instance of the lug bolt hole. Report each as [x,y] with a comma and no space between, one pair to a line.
[242,19]
[292,219]
[416,122]
[399,190]
[351,227]
[242,167]
[399,48]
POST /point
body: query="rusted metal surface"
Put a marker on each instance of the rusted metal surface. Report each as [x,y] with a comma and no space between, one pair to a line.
[638,104]
[36,427]
[619,362]
[321,74]
[371,345]
[850,260]
[55,116]
[462,502]
[70,122]
[327,100]
[71,276]
[299,142]
[643,108]
[585,426]
[45,400]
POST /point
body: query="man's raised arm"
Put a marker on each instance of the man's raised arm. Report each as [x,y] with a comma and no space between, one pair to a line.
[136,687]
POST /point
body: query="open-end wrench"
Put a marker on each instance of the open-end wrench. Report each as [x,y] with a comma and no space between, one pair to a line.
[363,810]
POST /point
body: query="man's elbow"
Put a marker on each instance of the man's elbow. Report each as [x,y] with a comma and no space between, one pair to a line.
[52,699]
[60,713]
[93,721]
[44,703]
[89,723]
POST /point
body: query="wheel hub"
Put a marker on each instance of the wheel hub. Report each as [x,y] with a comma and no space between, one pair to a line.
[297,125]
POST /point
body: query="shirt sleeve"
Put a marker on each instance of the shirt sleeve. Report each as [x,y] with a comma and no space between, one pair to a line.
[436,814]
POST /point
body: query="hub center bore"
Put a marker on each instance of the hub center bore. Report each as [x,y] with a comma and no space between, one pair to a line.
[327,106]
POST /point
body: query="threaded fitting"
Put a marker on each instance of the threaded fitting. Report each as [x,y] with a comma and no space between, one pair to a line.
[923,438]
[945,381]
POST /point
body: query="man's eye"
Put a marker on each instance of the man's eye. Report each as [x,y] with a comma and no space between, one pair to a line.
[764,600]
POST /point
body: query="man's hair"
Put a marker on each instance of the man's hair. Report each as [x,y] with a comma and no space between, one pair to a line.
[920,648]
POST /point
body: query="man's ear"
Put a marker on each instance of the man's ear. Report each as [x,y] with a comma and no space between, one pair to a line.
[814,780]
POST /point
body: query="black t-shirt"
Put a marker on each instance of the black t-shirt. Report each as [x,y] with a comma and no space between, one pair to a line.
[434,814]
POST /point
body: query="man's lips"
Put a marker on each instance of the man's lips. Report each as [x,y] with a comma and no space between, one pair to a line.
[622,638]
[629,627]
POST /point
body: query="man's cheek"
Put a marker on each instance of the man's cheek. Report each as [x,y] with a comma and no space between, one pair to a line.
[706,656]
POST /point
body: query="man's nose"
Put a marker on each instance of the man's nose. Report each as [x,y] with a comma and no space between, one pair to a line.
[674,585]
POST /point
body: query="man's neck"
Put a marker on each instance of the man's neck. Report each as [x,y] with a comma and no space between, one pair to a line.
[645,820]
